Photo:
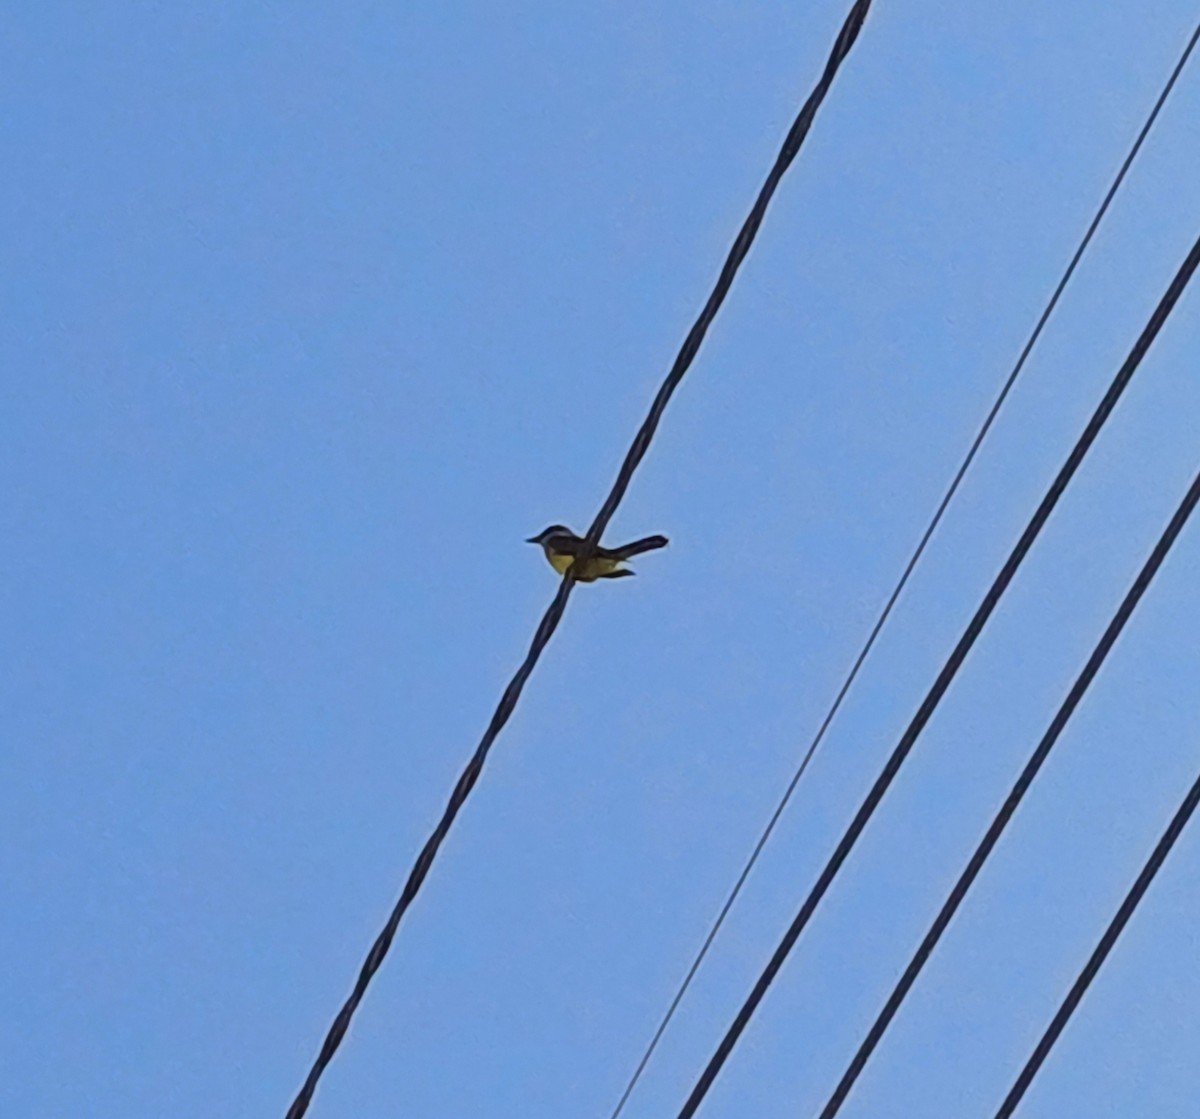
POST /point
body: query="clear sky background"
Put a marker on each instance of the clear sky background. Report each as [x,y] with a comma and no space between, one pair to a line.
[312,312]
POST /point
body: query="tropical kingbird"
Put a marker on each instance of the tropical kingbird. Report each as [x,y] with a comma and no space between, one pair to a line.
[561,546]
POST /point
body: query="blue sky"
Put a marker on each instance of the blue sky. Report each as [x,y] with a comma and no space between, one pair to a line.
[314,312]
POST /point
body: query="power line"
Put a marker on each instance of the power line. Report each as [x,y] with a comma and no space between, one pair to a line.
[885,614]
[1013,801]
[1097,958]
[637,451]
[944,679]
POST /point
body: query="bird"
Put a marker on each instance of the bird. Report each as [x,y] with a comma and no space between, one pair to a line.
[561,546]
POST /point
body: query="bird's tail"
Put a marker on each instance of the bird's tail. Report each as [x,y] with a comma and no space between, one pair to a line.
[646,544]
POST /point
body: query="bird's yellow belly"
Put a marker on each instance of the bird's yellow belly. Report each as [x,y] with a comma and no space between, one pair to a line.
[597,567]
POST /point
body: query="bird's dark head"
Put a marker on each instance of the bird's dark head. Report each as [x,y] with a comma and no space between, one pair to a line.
[548,533]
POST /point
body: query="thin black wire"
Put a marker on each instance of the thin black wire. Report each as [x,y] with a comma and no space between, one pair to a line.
[508,701]
[885,614]
[1097,958]
[944,678]
[1012,802]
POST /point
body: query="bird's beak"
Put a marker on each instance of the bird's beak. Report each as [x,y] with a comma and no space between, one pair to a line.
[533,540]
